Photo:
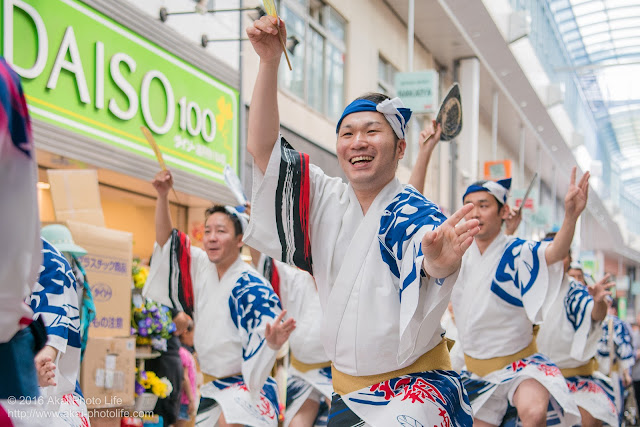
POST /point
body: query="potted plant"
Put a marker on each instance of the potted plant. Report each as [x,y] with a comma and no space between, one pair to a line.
[149,388]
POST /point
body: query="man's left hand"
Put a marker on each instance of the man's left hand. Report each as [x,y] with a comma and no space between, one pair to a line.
[600,290]
[277,333]
[444,247]
[576,199]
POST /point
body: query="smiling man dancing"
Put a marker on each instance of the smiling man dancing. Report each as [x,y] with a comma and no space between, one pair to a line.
[383,256]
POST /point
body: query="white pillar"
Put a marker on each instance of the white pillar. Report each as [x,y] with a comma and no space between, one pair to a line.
[522,178]
[494,127]
[469,73]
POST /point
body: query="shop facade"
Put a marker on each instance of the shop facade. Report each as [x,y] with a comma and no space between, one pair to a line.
[94,78]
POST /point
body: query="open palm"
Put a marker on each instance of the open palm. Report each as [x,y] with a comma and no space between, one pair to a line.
[444,247]
[277,333]
[576,199]
[601,290]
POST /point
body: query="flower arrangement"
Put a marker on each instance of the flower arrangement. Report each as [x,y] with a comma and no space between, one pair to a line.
[151,322]
[139,273]
[148,380]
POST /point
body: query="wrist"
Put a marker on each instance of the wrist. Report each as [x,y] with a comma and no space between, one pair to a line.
[271,64]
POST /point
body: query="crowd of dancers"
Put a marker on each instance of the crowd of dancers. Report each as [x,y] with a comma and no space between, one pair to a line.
[363,286]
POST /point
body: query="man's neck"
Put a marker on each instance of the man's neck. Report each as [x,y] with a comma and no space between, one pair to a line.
[223,266]
[366,196]
[485,243]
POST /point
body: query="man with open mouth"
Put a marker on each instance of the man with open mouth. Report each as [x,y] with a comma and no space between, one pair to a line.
[383,256]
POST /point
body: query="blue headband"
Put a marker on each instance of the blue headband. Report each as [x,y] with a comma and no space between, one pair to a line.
[393,110]
[498,189]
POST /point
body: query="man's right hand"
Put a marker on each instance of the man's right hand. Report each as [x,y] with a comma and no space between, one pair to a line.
[163,182]
[182,322]
[263,35]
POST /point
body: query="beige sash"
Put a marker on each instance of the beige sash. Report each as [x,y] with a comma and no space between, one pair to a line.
[436,358]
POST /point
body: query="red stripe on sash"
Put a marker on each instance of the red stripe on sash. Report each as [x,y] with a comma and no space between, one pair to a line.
[305,191]
[184,261]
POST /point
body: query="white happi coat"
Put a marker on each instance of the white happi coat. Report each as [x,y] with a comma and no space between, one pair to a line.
[55,301]
[619,342]
[569,337]
[380,311]
[498,297]
[299,297]
[230,316]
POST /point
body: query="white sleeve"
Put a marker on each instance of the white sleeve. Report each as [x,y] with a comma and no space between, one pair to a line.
[156,288]
[285,201]
[539,283]
[253,304]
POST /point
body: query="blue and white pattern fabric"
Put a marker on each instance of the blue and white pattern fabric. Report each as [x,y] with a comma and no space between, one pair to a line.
[595,394]
[615,349]
[381,312]
[500,294]
[252,304]
[239,306]
[393,110]
[55,301]
[312,380]
[569,337]
[492,395]
[623,347]
[498,189]
[426,398]
[238,404]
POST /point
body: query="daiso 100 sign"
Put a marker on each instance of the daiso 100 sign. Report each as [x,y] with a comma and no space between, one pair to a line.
[84,72]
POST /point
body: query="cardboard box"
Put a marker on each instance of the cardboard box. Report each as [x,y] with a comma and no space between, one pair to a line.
[108,372]
[76,195]
[108,268]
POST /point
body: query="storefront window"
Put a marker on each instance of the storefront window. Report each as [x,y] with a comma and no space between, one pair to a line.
[319,58]
[386,74]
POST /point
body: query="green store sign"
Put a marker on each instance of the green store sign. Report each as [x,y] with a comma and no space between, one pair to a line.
[84,72]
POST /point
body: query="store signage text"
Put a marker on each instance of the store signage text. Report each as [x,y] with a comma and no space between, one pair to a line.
[123,75]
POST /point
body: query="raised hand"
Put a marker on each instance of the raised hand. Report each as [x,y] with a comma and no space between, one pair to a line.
[45,368]
[576,199]
[263,35]
[163,182]
[601,290]
[430,135]
[277,333]
[512,221]
[443,247]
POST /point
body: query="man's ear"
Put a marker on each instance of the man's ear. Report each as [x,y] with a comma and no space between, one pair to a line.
[506,210]
[402,146]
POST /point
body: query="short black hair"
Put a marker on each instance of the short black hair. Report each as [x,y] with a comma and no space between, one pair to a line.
[481,183]
[222,209]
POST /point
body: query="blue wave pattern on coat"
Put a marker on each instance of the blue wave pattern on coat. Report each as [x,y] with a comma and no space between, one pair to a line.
[55,297]
[509,283]
[402,219]
[576,302]
[621,339]
[251,303]
[442,388]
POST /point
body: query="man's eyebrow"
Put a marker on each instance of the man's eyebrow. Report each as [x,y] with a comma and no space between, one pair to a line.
[373,122]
